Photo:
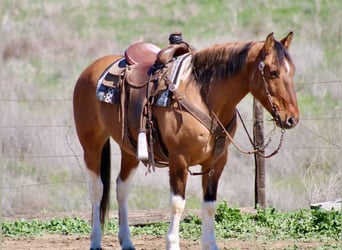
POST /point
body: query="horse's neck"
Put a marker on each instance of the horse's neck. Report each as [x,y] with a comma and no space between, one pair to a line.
[227,91]
[224,98]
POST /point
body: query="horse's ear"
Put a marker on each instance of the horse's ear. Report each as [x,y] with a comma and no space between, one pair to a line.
[286,41]
[269,43]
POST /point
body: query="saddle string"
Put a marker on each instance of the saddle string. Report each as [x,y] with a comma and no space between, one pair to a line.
[151,163]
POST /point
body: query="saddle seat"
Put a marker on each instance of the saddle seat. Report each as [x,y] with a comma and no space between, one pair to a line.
[141,52]
[141,56]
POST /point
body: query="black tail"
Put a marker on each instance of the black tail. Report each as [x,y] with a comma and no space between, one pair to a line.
[105,177]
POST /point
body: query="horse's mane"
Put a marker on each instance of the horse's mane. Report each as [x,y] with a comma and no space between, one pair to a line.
[218,62]
[225,60]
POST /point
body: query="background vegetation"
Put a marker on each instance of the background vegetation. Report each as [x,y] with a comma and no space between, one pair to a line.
[46,45]
[266,225]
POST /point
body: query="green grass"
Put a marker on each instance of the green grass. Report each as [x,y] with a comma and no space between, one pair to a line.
[266,224]
[63,226]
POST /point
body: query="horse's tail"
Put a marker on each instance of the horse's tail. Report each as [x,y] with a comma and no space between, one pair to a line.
[105,177]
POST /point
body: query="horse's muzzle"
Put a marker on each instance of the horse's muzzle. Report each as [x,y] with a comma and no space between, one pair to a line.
[289,122]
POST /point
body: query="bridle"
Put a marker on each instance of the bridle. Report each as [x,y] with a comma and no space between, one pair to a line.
[258,149]
[275,113]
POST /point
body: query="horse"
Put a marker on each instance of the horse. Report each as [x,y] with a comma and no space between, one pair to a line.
[217,79]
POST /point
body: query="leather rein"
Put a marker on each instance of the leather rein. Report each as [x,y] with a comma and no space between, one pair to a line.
[259,149]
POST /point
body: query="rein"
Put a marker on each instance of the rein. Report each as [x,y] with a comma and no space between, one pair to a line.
[258,149]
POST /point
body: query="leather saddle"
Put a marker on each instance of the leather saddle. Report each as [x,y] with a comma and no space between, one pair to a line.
[143,59]
[138,75]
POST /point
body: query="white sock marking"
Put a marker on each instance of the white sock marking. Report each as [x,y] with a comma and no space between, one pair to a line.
[95,191]
[208,225]
[177,208]
[122,192]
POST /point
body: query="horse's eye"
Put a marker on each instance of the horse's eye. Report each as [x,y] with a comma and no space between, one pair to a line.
[274,73]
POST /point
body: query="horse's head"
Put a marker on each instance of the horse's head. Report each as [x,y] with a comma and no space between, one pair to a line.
[272,81]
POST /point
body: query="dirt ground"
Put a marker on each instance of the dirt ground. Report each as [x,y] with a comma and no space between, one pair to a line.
[55,242]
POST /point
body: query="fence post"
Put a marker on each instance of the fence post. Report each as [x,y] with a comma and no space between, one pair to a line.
[258,137]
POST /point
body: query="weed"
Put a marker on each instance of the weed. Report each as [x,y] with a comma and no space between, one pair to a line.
[266,224]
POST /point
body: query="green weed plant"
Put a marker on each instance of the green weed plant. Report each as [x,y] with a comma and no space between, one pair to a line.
[265,224]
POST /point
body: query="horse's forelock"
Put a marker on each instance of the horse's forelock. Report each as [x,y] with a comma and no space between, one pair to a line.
[282,53]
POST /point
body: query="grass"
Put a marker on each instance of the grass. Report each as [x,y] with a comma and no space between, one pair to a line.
[267,224]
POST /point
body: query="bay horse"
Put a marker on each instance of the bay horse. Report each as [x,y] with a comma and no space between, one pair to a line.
[218,78]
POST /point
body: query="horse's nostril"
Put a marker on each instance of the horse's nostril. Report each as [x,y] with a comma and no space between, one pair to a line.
[291,121]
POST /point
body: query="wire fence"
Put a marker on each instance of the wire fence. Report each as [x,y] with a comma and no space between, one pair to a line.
[58,146]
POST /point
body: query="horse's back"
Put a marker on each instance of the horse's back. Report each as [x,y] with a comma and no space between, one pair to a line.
[89,77]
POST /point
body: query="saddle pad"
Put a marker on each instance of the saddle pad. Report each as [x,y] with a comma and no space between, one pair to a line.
[180,71]
[117,67]
[107,89]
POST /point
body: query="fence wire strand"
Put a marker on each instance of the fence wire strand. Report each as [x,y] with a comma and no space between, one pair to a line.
[76,156]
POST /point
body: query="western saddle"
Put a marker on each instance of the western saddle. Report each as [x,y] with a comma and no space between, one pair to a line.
[142,78]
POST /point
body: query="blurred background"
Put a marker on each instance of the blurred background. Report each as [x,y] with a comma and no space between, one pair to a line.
[47,44]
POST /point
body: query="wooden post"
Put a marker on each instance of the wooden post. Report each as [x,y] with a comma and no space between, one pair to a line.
[258,136]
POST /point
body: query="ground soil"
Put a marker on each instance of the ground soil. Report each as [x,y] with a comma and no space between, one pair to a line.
[65,242]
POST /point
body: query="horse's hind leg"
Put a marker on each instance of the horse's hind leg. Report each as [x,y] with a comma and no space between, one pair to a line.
[96,156]
[95,190]
[129,164]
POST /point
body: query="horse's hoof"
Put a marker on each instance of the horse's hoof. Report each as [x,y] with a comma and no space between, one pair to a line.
[99,248]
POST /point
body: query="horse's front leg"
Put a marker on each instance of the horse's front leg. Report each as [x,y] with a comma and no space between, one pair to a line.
[210,184]
[123,183]
[178,178]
